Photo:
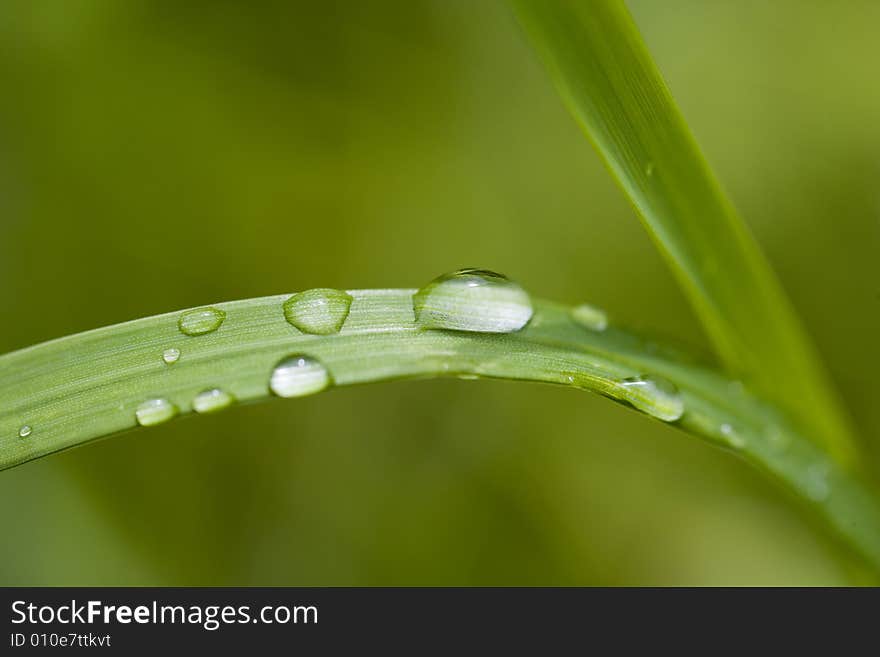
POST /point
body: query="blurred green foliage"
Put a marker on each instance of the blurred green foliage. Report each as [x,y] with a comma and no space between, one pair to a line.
[162,154]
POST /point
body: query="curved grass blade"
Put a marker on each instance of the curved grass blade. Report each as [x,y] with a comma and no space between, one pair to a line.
[88,386]
[611,85]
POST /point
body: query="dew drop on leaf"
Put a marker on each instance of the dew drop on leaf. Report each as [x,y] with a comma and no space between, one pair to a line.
[733,437]
[655,396]
[155,411]
[200,321]
[299,375]
[212,400]
[171,356]
[321,311]
[590,317]
[472,300]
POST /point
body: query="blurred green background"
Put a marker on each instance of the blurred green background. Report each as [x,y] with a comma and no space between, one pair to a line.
[156,155]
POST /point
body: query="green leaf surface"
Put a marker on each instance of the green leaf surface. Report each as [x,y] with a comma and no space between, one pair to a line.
[611,85]
[87,386]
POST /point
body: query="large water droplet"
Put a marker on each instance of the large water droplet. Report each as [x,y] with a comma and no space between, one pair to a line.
[155,411]
[200,321]
[25,431]
[212,400]
[321,311]
[655,396]
[299,375]
[472,300]
[171,355]
[590,317]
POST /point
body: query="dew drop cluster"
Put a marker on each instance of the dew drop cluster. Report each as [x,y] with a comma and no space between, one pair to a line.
[468,300]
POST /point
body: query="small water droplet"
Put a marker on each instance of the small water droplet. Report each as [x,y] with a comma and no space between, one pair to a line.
[655,396]
[25,431]
[155,411]
[734,438]
[817,486]
[171,355]
[590,317]
[321,311]
[200,321]
[299,375]
[212,400]
[472,300]
[649,169]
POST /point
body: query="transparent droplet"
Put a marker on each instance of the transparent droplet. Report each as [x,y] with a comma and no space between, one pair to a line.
[472,300]
[155,411]
[25,431]
[655,396]
[212,400]
[200,321]
[171,355]
[734,438]
[590,317]
[817,487]
[649,169]
[299,375]
[321,311]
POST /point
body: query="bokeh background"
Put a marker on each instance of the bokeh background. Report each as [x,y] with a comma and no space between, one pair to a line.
[161,154]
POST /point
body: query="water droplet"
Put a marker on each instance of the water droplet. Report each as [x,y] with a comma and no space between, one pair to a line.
[299,375]
[655,396]
[817,486]
[155,411]
[649,169]
[734,438]
[321,311]
[200,321]
[472,300]
[171,355]
[590,317]
[25,431]
[212,400]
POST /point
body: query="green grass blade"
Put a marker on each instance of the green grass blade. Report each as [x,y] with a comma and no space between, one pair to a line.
[609,82]
[88,386]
